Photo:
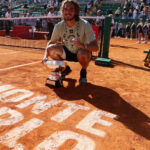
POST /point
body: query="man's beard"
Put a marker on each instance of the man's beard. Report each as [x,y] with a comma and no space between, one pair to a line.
[69,19]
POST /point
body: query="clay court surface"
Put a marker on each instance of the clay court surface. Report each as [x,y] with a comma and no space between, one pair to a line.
[111,112]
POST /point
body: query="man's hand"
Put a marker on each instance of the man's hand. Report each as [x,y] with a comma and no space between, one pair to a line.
[44,60]
[77,43]
[92,46]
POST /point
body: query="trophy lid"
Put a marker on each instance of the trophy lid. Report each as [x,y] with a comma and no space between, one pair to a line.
[52,64]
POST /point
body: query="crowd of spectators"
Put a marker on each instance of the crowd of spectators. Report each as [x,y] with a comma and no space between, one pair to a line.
[138,30]
[130,10]
[43,25]
[91,7]
[134,10]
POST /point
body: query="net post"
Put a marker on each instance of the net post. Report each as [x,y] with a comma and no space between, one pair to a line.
[103,59]
[107,26]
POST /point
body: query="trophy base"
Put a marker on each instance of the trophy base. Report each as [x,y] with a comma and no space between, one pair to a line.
[54,83]
[55,79]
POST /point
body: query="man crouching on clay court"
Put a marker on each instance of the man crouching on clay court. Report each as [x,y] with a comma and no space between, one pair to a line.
[72,39]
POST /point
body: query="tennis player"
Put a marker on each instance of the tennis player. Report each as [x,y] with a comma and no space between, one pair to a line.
[72,39]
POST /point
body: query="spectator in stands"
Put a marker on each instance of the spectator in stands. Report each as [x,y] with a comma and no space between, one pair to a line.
[127,29]
[141,14]
[85,11]
[134,4]
[97,3]
[24,21]
[120,27]
[140,31]
[8,22]
[125,4]
[117,12]
[109,11]
[115,31]
[50,23]
[128,5]
[2,2]
[78,40]
[124,14]
[25,5]
[133,30]
[130,14]
[135,14]
[112,24]
[138,8]
[56,4]
[9,1]
[45,6]
[146,31]
[90,5]
[28,1]
[38,25]
[37,1]
[51,3]
[44,25]
[99,23]
[145,12]
[142,6]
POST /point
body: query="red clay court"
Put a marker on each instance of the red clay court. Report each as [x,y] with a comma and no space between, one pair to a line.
[111,112]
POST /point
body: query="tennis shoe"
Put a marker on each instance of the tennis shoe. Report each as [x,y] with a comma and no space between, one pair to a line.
[83,79]
[66,72]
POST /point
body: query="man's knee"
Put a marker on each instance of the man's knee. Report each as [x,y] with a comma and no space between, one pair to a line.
[84,55]
[54,51]
[50,48]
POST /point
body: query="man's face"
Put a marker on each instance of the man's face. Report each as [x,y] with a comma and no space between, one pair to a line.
[69,11]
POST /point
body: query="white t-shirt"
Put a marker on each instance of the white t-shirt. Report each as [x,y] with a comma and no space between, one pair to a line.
[82,31]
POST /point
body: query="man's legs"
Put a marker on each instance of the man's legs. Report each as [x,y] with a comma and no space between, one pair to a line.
[84,58]
[56,52]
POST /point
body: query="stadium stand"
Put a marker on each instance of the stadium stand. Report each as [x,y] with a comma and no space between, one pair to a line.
[20,8]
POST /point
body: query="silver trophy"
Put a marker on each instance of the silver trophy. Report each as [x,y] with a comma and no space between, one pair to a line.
[56,68]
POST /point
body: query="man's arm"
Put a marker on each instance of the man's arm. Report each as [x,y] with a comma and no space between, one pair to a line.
[91,43]
[45,58]
[54,37]
[92,46]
